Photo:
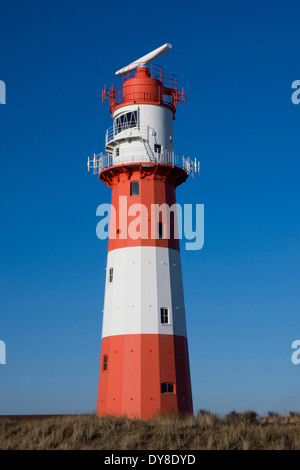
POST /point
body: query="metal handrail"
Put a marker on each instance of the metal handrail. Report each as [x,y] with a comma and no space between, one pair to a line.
[168,94]
[117,98]
[123,130]
[168,80]
[102,161]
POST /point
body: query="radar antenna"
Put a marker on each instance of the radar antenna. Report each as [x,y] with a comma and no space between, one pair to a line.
[146,58]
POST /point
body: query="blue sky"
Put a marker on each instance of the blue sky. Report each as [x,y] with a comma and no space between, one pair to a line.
[237,61]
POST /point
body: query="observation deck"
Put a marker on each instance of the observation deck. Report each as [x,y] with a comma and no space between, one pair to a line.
[102,161]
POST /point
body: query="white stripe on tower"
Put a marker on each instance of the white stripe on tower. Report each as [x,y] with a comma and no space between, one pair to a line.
[145,278]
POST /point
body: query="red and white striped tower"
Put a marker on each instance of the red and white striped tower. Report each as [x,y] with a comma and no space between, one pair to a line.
[144,365]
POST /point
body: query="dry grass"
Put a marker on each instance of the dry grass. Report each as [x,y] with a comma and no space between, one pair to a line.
[244,431]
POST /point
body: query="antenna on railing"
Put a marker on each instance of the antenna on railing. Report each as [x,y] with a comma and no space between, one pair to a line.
[197,166]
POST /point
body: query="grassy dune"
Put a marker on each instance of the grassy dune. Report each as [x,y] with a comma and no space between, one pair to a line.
[244,431]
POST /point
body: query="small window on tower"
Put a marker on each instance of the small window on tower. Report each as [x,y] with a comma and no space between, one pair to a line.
[117,151]
[157,148]
[105,362]
[166,388]
[111,275]
[160,230]
[164,316]
[134,188]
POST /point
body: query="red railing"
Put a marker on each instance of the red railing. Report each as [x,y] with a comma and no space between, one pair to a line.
[171,97]
[167,79]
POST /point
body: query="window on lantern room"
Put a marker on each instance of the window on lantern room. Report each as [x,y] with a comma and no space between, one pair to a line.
[126,121]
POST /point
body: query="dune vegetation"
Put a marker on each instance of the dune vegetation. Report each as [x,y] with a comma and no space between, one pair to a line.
[206,431]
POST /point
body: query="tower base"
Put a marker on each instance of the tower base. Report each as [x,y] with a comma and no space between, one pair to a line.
[144,374]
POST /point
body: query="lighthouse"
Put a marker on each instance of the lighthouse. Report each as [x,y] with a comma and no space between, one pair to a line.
[144,360]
